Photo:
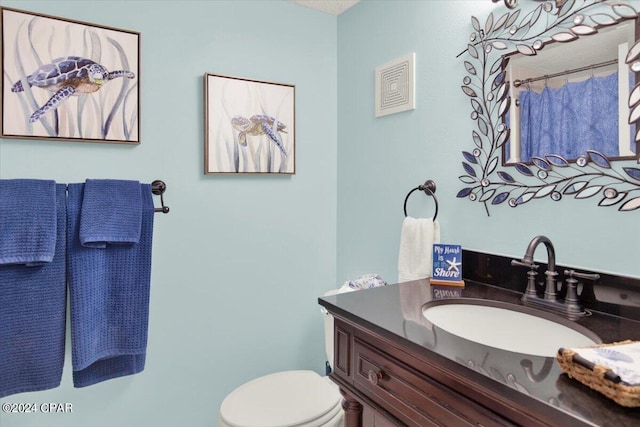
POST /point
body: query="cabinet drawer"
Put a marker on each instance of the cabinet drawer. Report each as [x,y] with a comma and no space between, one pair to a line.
[414,398]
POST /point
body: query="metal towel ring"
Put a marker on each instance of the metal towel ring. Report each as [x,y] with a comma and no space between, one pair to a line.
[429,188]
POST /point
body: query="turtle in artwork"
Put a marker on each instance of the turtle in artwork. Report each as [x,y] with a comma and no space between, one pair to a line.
[259,124]
[66,76]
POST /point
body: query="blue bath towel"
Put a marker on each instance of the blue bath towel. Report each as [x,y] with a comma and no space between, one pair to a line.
[32,317]
[111,212]
[109,297]
[27,221]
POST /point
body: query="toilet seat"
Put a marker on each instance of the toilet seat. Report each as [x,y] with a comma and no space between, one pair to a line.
[283,399]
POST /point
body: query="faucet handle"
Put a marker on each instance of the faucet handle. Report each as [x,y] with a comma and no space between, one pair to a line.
[531,291]
[587,276]
[531,265]
[571,300]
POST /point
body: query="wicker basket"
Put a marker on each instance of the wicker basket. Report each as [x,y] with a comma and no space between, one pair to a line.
[599,378]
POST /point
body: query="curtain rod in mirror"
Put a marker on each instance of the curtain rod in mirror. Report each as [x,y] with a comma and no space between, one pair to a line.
[518,83]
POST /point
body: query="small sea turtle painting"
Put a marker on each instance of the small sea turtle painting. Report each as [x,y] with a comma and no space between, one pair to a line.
[66,76]
[259,125]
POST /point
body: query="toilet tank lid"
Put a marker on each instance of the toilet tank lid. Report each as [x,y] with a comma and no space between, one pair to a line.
[283,398]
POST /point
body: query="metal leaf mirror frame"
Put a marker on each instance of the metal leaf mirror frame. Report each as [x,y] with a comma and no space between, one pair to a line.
[487,180]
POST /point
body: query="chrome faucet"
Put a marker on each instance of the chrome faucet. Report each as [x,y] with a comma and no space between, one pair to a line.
[570,307]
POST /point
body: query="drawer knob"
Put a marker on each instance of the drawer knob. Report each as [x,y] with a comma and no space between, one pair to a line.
[374,377]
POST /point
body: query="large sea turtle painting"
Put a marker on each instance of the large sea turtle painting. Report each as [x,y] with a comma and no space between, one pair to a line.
[259,124]
[67,76]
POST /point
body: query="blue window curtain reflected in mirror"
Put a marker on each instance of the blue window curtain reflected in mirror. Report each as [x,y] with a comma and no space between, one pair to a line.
[571,119]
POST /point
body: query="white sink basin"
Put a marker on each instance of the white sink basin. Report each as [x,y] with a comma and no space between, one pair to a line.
[508,327]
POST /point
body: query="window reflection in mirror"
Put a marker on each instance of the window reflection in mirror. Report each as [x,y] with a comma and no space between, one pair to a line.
[571,97]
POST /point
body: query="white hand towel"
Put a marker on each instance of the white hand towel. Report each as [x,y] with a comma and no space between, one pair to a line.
[416,248]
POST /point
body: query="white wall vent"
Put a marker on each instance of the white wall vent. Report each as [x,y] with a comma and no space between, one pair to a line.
[395,86]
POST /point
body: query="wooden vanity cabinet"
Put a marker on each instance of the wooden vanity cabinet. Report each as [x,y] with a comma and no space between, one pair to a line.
[394,369]
[386,385]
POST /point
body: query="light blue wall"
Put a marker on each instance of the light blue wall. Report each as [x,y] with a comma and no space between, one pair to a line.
[239,262]
[235,251]
[380,160]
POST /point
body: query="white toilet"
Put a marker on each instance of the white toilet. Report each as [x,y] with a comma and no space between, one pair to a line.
[287,399]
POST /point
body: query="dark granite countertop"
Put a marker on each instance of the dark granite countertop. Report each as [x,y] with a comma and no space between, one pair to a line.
[395,311]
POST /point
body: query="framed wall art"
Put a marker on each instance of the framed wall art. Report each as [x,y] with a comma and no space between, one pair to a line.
[249,126]
[69,80]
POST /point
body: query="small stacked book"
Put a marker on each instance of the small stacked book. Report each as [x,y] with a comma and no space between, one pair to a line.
[447,265]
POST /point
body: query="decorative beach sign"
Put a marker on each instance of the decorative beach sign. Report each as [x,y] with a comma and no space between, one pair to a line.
[447,265]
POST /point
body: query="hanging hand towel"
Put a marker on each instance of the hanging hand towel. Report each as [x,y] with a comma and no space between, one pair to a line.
[416,248]
[109,296]
[111,213]
[32,314]
[27,221]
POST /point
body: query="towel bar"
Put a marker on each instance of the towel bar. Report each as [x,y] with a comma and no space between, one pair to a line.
[429,188]
[158,187]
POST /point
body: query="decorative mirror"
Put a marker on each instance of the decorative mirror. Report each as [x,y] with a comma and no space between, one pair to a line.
[516,157]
